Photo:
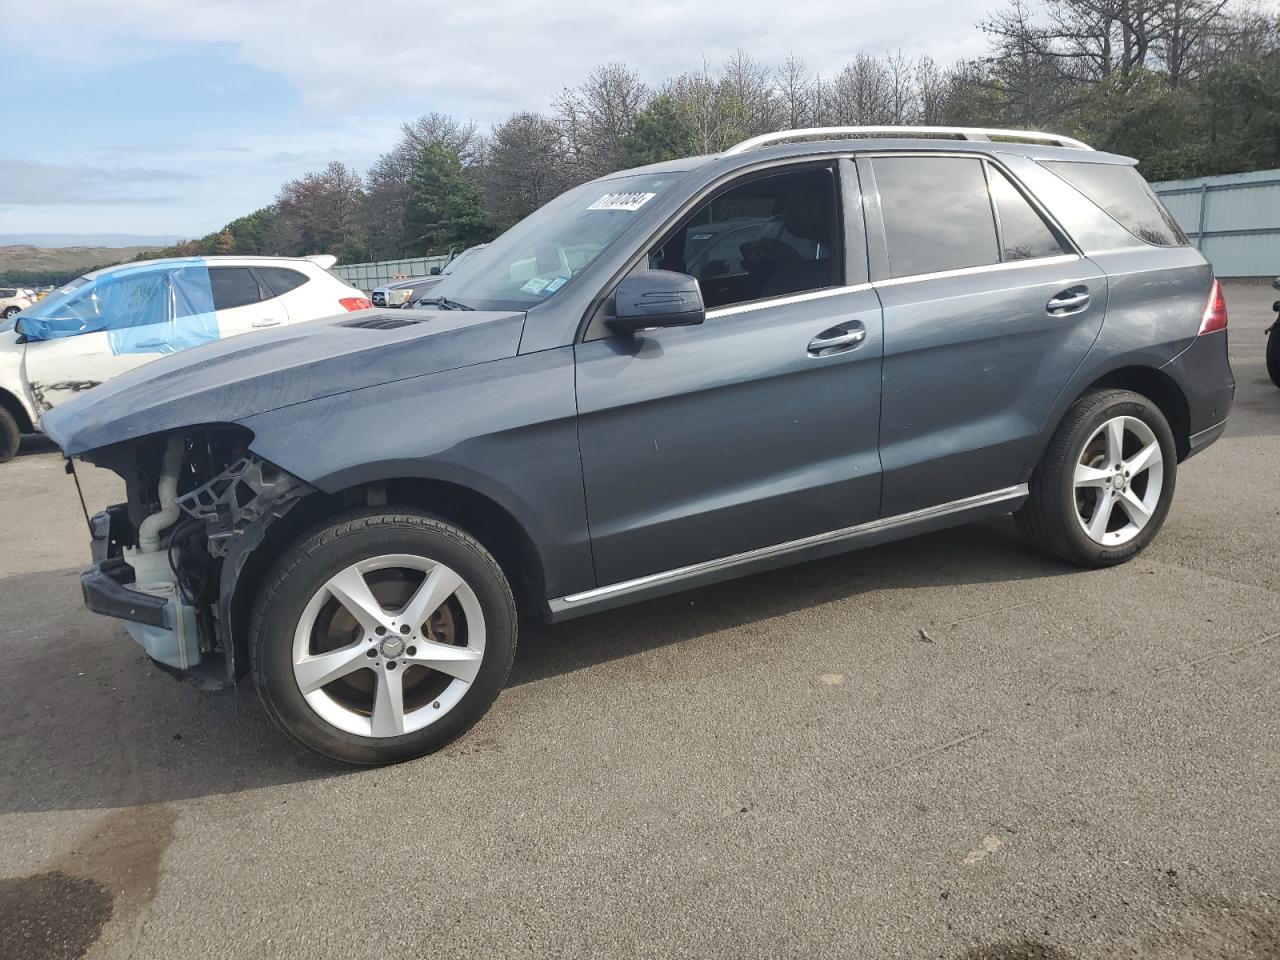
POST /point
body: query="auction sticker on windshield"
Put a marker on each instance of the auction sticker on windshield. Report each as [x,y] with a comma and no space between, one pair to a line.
[622,201]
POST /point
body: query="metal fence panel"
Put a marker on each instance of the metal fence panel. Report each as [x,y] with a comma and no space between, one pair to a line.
[1233,219]
[378,273]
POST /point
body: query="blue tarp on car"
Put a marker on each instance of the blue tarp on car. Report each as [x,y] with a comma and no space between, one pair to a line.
[143,308]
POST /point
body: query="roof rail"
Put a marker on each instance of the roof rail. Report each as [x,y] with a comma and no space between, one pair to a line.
[963,133]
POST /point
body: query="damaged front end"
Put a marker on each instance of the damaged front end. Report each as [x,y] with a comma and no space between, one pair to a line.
[166,561]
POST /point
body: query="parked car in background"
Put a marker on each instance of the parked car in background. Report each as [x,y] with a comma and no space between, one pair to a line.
[12,300]
[396,294]
[422,290]
[1273,340]
[921,333]
[112,320]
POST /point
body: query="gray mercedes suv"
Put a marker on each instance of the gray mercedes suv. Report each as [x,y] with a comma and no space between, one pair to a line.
[812,342]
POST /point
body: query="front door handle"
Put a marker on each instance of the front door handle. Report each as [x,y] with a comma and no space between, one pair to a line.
[836,339]
[268,322]
[1069,301]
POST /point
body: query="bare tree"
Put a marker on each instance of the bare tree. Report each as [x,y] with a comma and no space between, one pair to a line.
[596,117]
[931,89]
[524,167]
[795,87]
[459,137]
[746,93]
[697,102]
[319,213]
[861,93]
[900,74]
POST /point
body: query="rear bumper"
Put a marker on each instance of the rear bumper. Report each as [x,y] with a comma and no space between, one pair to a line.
[1198,441]
[1203,372]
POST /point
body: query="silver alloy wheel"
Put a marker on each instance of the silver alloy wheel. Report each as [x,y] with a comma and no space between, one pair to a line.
[388,644]
[1118,480]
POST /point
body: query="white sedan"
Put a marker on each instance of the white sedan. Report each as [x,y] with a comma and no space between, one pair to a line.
[113,320]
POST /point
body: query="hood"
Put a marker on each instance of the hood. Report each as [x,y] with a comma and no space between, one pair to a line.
[254,373]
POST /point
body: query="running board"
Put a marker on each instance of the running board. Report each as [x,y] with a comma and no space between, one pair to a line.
[793,551]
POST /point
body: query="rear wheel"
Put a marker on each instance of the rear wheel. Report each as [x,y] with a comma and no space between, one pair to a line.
[1273,353]
[382,637]
[9,312]
[10,436]
[1104,486]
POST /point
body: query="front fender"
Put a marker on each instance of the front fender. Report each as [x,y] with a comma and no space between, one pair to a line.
[505,430]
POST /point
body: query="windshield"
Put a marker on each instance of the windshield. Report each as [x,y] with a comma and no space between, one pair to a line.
[540,255]
[51,305]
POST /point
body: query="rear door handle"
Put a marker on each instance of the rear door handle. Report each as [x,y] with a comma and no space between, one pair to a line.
[1069,301]
[836,339]
[268,322]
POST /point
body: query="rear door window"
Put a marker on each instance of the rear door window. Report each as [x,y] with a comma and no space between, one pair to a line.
[1023,233]
[281,279]
[233,287]
[1120,190]
[937,214]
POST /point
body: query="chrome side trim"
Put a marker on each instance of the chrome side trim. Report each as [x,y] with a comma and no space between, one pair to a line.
[791,546]
[784,301]
[985,268]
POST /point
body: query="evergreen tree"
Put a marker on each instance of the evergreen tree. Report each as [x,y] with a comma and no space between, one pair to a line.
[659,134]
[444,209]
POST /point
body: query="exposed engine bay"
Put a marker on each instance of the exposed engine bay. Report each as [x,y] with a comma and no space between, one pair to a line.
[198,503]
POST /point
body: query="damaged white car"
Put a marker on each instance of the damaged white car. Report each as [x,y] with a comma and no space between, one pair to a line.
[104,323]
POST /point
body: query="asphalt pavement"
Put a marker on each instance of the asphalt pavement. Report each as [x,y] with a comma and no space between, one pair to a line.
[947,747]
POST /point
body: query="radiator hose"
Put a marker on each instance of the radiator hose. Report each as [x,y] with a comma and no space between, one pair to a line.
[167,493]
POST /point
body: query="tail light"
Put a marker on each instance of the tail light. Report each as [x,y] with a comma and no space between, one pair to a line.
[1215,312]
[360,303]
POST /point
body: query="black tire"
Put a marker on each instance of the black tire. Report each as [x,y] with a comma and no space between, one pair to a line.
[301,571]
[1049,519]
[10,436]
[9,312]
[1273,354]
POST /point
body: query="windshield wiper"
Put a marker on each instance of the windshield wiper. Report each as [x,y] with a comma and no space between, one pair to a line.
[444,303]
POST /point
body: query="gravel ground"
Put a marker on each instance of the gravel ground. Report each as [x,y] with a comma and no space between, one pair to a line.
[946,747]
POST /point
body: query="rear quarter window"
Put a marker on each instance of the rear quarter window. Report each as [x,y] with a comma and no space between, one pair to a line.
[1120,191]
[281,280]
[233,287]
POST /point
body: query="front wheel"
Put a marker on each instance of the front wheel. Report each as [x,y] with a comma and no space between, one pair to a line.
[1103,488]
[1273,353]
[9,312]
[382,637]
[10,436]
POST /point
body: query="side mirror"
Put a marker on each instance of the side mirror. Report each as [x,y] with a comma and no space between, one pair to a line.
[435,271]
[656,298]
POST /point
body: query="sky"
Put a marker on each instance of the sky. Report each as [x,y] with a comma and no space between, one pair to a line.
[168,118]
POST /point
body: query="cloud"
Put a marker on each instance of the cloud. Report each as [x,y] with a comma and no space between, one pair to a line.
[486,60]
[34,183]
